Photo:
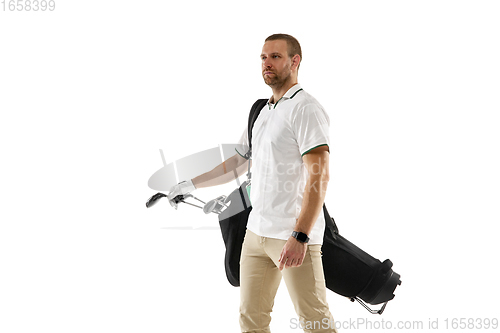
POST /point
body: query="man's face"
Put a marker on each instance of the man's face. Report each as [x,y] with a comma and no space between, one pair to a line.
[276,65]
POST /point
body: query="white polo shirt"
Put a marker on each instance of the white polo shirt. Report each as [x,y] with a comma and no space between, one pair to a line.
[282,134]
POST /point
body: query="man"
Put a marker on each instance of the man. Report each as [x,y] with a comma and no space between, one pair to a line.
[290,156]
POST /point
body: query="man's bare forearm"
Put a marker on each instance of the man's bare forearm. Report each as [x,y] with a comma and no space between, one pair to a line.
[225,172]
[312,203]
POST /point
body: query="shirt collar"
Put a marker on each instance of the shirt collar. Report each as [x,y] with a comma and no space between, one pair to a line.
[289,94]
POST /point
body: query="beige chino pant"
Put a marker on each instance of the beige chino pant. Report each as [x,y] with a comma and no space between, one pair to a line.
[260,278]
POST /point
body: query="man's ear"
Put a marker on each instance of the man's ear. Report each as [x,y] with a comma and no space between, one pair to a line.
[295,61]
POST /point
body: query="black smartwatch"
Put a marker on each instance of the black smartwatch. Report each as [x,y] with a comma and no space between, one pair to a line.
[300,236]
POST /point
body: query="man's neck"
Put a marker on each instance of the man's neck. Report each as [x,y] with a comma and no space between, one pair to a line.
[278,92]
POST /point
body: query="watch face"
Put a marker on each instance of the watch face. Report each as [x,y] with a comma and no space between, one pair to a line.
[300,236]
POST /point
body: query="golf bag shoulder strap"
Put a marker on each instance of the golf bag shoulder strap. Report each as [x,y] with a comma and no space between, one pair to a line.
[252,117]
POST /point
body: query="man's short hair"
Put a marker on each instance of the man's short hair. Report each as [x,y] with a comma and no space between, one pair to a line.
[292,43]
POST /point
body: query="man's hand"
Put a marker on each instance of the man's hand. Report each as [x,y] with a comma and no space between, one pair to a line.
[181,189]
[293,253]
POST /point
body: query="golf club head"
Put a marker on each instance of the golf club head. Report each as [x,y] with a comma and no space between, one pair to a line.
[174,202]
[152,201]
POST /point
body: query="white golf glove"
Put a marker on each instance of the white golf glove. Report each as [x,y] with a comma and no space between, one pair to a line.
[181,188]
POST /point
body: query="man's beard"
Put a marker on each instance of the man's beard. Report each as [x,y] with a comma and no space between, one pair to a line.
[277,80]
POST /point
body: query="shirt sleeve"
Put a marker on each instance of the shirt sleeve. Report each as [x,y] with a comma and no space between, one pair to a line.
[311,126]
[242,146]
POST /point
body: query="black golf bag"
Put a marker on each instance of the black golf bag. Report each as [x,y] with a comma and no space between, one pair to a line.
[349,271]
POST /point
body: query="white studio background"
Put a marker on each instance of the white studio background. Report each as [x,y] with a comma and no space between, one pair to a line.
[91,91]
